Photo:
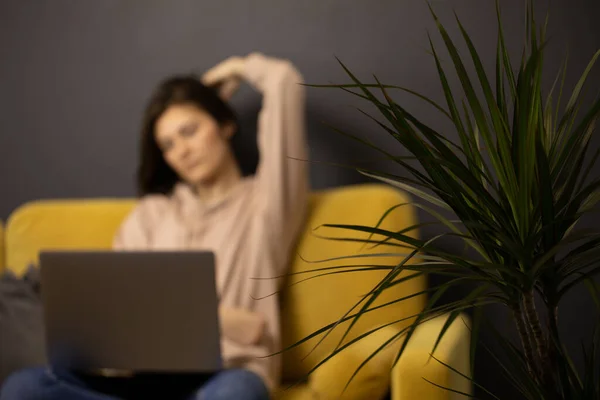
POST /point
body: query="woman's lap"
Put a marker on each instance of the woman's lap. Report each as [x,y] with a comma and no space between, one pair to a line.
[44,384]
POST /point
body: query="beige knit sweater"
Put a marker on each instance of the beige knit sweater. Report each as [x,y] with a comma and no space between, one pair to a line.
[252,231]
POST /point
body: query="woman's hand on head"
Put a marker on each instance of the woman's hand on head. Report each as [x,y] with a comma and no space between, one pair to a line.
[226,76]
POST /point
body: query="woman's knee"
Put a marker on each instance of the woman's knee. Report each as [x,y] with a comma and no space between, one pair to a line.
[235,384]
[24,385]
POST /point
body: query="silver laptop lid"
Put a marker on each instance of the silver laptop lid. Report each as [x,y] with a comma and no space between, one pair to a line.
[131,311]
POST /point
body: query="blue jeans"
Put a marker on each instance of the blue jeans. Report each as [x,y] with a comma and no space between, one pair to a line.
[49,384]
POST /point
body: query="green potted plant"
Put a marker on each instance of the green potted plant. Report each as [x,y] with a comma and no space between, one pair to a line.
[518,180]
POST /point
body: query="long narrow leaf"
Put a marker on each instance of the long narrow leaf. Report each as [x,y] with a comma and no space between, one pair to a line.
[373,85]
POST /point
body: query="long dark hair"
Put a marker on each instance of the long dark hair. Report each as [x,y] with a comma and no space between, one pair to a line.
[154,176]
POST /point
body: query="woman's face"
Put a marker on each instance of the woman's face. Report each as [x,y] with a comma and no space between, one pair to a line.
[193,143]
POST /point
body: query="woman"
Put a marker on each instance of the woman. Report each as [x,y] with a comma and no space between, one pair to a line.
[193,196]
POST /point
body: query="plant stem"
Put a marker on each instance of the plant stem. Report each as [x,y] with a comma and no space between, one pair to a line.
[537,336]
[525,340]
[557,371]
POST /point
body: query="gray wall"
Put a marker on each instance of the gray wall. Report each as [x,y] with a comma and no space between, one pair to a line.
[74,76]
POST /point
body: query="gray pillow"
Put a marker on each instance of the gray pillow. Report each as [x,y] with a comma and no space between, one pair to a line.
[22,342]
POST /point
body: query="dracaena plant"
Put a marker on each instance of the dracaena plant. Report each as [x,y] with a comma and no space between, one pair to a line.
[518,178]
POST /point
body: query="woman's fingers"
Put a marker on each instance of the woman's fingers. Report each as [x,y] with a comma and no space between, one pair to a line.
[225,76]
[224,71]
[228,88]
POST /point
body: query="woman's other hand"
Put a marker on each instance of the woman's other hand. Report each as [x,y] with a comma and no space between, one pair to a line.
[225,76]
[241,326]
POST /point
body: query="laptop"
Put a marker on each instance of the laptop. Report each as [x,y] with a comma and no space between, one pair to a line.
[131,312]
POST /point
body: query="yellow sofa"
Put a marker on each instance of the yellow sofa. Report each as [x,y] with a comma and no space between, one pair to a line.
[307,305]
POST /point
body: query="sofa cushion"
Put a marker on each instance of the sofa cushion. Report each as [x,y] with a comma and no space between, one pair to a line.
[22,342]
[336,379]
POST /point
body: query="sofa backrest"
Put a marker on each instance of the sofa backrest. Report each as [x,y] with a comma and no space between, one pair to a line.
[306,306]
[61,224]
[314,303]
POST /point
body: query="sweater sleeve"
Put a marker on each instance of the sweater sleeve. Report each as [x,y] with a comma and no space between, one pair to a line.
[282,174]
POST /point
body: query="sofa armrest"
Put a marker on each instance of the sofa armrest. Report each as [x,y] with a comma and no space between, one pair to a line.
[373,380]
[2,256]
[415,365]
